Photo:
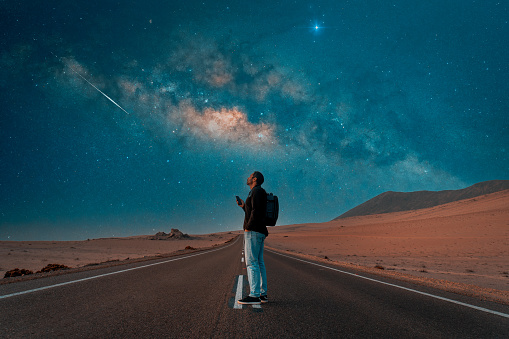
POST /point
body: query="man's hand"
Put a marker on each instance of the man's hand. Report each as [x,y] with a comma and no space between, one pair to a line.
[241,203]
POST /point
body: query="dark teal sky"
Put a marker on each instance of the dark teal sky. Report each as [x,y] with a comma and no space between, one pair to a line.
[333,101]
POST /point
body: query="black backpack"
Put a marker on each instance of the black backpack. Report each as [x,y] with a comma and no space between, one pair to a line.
[272,210]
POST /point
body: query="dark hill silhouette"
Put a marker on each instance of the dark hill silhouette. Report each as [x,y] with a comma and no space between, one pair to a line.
[399,201]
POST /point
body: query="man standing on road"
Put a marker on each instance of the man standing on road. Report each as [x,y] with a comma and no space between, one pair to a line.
[255,232]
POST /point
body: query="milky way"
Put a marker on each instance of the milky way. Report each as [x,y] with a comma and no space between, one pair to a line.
[334,102]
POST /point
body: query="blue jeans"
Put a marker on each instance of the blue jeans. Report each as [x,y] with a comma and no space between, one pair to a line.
[253,249]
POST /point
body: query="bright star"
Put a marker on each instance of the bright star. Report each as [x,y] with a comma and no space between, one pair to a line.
[316,27]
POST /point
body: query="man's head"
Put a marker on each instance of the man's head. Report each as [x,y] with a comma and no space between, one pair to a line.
[255,179]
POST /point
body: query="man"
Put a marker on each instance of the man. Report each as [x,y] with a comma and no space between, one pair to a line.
[255,232]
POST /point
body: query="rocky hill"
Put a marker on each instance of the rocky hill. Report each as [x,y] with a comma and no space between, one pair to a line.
[404,201]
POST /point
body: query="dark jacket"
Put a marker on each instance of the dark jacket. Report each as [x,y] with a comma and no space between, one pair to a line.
[255,209]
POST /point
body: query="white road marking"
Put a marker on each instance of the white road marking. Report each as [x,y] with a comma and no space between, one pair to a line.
[112,273]
[401,287]
[238,294]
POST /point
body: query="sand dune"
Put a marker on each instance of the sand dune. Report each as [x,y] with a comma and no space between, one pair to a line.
[390,202]
[465,241]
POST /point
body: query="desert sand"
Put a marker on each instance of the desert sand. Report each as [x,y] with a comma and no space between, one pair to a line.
[464,242]
[34,255]
[461,246]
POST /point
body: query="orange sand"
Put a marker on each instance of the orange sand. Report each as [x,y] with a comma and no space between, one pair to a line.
[465,241]
[34,255]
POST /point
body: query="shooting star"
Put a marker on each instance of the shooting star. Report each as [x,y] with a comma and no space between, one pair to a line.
[91,84]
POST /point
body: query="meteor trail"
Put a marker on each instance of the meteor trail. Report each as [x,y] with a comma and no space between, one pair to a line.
[91,84]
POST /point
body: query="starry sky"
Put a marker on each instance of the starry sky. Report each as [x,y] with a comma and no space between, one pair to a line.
[123,118]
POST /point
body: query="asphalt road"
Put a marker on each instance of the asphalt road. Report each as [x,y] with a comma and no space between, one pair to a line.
[193,296]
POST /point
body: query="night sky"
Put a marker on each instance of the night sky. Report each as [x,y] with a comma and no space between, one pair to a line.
[334,102]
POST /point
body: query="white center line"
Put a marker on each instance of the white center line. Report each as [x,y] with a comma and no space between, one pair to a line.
[401,287]
[238,295]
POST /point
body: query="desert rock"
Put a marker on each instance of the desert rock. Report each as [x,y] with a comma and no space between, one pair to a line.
[174,234]
[17,273]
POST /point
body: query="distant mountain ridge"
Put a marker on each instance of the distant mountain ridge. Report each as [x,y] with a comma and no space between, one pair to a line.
[389,202]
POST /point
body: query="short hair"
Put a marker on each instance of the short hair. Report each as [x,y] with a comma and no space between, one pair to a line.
[259,177]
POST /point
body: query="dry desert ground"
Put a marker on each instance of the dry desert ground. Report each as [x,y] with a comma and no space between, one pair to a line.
[463,242]
[34,255]
[460,246]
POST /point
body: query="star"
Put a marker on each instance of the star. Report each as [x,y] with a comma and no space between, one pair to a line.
[316,26]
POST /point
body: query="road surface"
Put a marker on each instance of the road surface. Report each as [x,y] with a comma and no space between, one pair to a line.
[193,296]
